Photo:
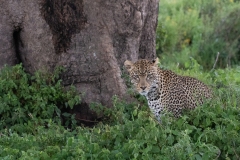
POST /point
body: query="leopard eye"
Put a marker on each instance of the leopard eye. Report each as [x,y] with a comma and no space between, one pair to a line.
[135,77]
[149,76]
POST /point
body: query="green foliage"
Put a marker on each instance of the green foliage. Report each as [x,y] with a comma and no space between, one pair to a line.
[211,131]
[31,100]
[199,29]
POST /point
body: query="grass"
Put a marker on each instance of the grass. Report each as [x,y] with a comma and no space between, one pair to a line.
[199,29]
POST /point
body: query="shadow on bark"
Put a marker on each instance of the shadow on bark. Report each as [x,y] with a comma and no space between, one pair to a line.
[17,42]
[65,18]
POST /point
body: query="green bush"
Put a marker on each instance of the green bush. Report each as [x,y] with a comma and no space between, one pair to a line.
[211,131]
[199,29]
[27,99]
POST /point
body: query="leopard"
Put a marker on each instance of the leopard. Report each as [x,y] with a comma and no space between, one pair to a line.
[164,89]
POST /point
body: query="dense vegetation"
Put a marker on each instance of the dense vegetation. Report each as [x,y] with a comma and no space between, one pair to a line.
[199,29]
[130,132]
[31,125]
[33,100]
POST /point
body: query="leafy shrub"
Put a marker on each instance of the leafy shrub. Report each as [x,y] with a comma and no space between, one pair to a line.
[207,132]
[211,131]
[199,29]
[27,99]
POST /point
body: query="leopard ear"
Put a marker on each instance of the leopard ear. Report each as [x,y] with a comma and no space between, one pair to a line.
[128,65]
[155,62]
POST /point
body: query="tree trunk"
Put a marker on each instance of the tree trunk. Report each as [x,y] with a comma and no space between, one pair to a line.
[90,38]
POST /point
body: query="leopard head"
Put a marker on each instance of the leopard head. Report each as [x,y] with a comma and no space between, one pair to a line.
[143,74]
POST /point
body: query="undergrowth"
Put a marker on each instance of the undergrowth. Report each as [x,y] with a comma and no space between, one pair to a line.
[199,29]
[211,131]
[27,101]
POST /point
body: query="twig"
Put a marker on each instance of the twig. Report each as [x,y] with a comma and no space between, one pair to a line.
[1,134]
[235,152]
[155,119]
[85,120]
[219,153]
[215,61]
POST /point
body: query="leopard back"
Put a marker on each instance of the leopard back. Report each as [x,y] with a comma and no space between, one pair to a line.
[164,89]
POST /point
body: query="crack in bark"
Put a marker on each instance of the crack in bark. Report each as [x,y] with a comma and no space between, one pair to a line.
[17,42]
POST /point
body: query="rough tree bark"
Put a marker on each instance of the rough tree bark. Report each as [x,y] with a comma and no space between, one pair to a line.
[91,38]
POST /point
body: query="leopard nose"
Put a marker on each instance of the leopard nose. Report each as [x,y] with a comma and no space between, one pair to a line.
[143,87]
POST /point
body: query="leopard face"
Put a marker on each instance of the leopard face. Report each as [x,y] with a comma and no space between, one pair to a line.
[143,74]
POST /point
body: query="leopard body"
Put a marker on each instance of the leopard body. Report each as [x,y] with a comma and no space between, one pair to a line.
[166,90]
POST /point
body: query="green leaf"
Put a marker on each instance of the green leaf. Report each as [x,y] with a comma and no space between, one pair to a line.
[135,112]
[196,121]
